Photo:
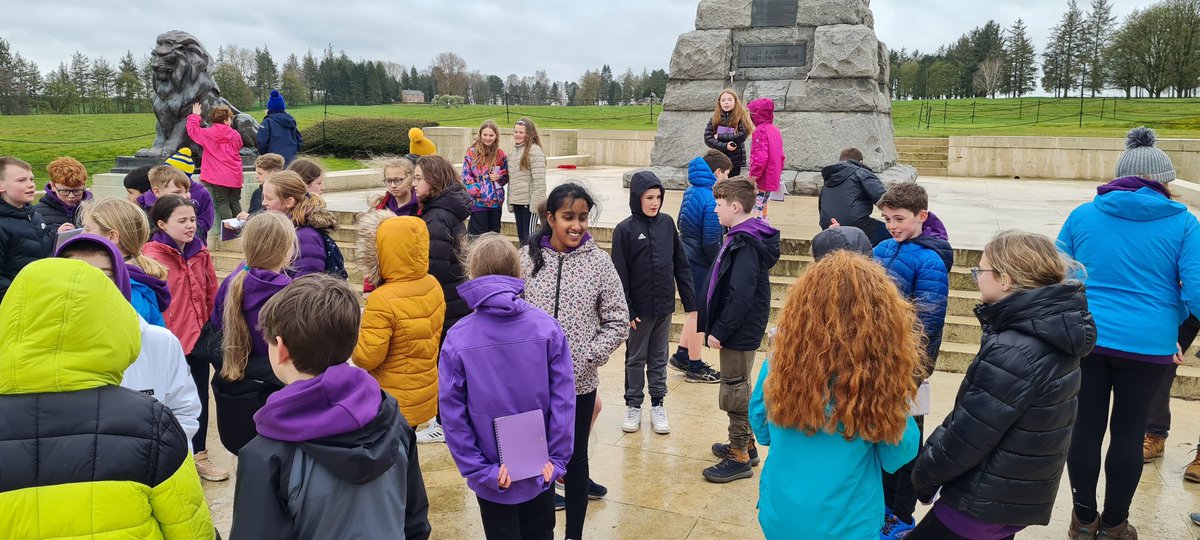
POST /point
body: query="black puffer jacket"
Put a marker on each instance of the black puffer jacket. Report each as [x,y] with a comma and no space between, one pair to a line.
[1000,453]
[649,257]
[24,238]
[444,215]
[721,141]
[849,195]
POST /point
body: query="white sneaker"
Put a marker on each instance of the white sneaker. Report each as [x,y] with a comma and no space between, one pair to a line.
[633,419]
[431,434]
[658,419]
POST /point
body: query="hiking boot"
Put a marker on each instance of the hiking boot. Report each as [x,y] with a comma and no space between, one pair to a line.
[658,420]
[1153,447]
[208,470]
[724,451]
[893,527]
[702,374]
[1192,472]
[678,362]
[1124,531]
[1083,531]
[729,470]
[633,420]
[432,433]
[596,491]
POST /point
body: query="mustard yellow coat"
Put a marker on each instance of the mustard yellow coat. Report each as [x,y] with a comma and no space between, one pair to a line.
[402,325]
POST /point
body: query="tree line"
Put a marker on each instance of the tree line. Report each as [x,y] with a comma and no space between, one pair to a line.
[246,77]
[1154,52]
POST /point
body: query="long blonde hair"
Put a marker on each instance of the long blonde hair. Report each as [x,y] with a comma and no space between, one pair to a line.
[289,185]
[268,241]
[484,154]
[531,139]
[847,353]
[132,227]
[739,116]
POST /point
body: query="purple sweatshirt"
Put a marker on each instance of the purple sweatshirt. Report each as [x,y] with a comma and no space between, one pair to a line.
[162,293]
[343,399]
[505,358]
[258,287]
[206,215]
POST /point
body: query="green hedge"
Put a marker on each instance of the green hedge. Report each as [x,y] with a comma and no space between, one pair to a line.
[361,137]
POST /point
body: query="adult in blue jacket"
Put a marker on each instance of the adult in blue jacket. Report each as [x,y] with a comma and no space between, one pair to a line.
[1141,251]
[278,133]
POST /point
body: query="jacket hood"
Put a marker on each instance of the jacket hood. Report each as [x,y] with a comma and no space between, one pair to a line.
[284,119]
[841,171]
[497,296]
[260,285]
[322,219]
[189,250]
[162,293]
[763,237]
[642,182]
[72,332]
[343,399]
[454,200]
[120,272]
[1056,314]
[392,248]
[840,238]
[699,174]
[762,111]
[1145,203]
[51,198]
[935,237]
[1132,183]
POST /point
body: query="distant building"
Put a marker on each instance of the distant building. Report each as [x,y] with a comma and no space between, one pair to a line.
[412,96]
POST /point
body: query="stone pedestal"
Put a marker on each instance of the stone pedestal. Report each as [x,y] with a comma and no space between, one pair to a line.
[126,164]
[819,60]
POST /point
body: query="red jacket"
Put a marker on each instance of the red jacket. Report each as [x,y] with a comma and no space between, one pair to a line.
[222,159]
[766,145]
[193,285]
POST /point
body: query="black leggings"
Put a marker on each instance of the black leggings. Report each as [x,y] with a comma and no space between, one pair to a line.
[576,480]
[1132,385]
[484,221]
[530,520]
[932,528]
[199,369]
[898,493]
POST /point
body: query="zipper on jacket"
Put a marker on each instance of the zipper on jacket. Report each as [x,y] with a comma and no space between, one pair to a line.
[558,285]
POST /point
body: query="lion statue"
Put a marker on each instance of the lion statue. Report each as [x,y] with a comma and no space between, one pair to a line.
[183,75]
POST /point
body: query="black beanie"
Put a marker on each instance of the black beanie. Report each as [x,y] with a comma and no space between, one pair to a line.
[139,179]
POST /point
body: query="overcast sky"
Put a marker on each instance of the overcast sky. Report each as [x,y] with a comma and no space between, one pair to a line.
[564,37]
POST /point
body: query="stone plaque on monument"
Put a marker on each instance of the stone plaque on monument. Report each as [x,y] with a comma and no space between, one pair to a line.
[774,12]
[752,55]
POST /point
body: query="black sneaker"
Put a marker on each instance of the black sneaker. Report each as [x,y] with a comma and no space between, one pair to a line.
[560,502]
[678,363]
[728,470]
[722,451]
[704,374]
[596,491]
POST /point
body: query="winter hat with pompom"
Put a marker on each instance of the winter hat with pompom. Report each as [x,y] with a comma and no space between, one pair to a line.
[1141,158]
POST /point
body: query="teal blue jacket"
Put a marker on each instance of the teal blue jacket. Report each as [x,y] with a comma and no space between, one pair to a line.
[841,494]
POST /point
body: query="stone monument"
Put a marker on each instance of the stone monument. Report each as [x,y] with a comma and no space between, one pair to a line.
[183,75]
[819,60]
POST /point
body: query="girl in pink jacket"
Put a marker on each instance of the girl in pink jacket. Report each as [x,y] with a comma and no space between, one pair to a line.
[766,153]
[221,166]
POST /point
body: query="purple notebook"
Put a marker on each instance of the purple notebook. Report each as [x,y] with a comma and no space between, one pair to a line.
[521,442]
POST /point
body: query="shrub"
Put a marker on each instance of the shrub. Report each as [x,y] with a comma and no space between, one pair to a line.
[361,137]
[448,101]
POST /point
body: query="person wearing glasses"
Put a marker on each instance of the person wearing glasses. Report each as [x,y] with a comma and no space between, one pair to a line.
[65,190]
[401,195]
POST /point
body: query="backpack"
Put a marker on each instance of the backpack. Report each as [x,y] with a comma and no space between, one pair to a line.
[335,263]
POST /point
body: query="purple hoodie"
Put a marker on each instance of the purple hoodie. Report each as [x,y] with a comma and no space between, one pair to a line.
[120,273]
[505,358]
[409,209]
[343,399]
[51,199]
[1132,183]
[206,215]
[162,293]
[189,250]
[258,287]
[545,242]
[753,227]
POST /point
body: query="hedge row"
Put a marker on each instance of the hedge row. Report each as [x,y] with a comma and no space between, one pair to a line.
[361,137]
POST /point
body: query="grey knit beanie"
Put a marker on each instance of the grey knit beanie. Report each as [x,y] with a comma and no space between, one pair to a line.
[1142,158]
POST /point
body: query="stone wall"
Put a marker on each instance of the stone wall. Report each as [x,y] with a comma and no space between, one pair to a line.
[1068,158]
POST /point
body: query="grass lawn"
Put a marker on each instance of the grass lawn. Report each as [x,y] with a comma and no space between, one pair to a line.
[97,139]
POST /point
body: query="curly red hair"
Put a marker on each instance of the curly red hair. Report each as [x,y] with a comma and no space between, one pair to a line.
[67,171]
[847,354]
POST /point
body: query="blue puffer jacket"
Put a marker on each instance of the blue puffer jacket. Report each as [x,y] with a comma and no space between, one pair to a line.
[921,268]
[698,224]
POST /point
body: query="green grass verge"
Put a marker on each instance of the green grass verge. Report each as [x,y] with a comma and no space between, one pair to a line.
[97,139]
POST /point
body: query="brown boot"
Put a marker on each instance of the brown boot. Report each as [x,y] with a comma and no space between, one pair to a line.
[1153,447]
[1083,531]
[1192,472]
[1124,531]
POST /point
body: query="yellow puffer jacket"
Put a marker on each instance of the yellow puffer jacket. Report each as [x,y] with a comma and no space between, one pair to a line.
[402,325]
[81,457]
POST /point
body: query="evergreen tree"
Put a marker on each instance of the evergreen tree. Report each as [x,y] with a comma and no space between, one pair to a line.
[1022,60]
[266,75]
[1097,35]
